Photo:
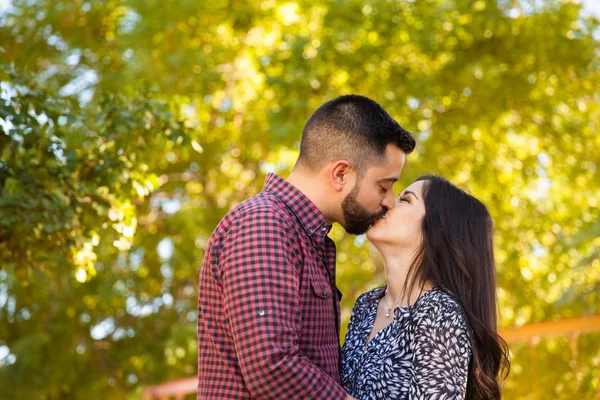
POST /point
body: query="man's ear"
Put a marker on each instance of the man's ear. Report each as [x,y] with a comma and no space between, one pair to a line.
[341,174]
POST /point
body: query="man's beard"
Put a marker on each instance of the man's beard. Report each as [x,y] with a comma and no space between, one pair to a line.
[358,219]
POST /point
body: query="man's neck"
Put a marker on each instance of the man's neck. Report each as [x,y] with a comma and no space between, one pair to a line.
[311,186]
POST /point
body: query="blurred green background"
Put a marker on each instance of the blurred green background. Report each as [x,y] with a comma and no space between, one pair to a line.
[128,128]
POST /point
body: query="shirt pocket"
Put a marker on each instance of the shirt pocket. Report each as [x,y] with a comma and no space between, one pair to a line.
[320,316]
[321,288]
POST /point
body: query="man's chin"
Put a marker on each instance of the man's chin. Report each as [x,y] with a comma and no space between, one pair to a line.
[360,228]
[357,229]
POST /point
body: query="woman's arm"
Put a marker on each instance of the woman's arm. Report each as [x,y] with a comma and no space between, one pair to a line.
[441,356]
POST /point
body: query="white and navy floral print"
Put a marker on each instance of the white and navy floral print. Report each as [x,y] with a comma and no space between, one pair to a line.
[424,353]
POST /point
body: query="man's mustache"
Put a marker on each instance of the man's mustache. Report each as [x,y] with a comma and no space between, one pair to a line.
[375,217]
[380,214]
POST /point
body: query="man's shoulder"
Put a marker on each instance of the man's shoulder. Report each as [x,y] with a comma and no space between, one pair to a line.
[264,206]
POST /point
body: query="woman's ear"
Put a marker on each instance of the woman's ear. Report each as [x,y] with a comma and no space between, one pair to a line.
[341,174]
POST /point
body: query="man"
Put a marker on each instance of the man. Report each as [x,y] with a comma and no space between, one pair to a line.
[268,307]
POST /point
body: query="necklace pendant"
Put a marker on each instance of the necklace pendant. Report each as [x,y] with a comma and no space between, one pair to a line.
[387,314]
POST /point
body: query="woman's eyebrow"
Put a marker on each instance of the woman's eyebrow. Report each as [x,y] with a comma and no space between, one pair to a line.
[409,192]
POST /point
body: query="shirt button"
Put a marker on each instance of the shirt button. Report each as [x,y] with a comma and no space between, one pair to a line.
[324,228]
[261,312]
[310,231]
[324,292]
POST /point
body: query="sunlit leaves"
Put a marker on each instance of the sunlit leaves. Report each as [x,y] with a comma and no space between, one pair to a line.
[136,125]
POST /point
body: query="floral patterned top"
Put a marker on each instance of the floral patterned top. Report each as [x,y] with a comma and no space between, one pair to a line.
[424,353]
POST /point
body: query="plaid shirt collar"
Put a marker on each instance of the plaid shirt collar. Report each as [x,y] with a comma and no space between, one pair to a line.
[310,217]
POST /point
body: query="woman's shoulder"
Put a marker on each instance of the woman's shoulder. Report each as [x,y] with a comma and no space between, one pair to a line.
[366,299]
[440,307]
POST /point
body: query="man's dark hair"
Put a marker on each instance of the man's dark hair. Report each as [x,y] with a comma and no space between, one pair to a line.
[354,128]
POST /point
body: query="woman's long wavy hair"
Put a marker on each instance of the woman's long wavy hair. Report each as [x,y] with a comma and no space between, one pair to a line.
[457,254]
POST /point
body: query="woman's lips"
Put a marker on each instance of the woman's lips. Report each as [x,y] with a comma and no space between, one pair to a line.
[376,221]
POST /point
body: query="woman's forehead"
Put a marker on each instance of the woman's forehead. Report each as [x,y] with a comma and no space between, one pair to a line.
[415,187]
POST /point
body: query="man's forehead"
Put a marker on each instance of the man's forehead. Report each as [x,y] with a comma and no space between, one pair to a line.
[392,160]
[384,174]
[389,167]
[394,155]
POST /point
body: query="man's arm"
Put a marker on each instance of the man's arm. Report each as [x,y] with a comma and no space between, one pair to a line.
[262,304]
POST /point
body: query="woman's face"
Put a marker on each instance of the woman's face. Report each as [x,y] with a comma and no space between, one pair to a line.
[401,226]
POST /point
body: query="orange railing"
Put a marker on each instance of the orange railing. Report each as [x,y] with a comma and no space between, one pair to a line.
[178,389]
[527,333]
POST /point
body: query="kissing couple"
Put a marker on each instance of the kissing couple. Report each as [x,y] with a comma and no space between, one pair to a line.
[268,304]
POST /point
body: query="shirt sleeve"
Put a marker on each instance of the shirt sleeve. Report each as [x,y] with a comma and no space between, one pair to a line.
[351,344]
[441,356]
[261,291]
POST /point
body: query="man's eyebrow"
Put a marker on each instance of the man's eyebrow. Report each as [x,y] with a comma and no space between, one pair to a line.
[392,180]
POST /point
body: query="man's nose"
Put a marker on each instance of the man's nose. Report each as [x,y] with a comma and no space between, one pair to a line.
[388,200]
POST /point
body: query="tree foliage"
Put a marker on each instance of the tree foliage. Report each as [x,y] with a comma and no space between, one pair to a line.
[129,128]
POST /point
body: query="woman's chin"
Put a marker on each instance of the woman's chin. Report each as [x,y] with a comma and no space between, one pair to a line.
[373,231]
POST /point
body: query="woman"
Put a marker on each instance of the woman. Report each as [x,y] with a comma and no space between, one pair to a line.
[430,333]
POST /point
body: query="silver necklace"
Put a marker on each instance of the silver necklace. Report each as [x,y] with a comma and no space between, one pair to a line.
[389,310]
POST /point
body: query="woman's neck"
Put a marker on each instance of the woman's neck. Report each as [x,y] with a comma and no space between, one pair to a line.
[397,267]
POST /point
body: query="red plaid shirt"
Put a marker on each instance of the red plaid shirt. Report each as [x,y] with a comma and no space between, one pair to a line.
[268,307]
